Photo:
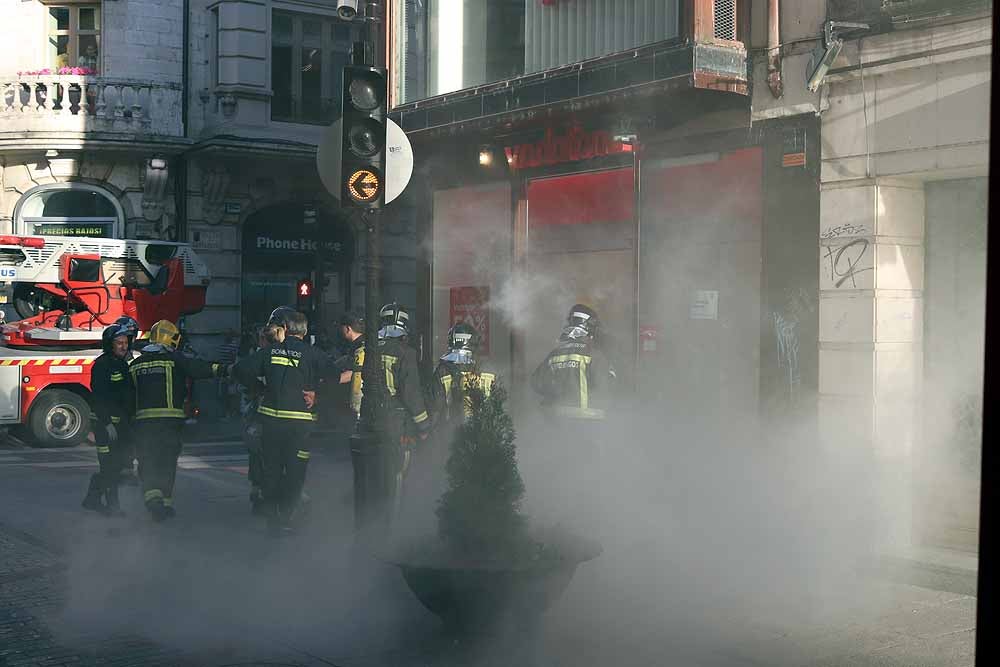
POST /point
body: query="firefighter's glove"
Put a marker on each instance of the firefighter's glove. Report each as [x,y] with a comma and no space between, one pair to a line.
[111,432]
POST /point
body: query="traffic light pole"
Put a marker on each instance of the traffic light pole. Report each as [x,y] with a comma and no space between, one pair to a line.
[368,451]
[370,409]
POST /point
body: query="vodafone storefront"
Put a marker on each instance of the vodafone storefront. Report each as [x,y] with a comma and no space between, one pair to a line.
[666,243]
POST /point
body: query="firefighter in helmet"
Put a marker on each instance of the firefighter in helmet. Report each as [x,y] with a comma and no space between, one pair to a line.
[291,370]
[576,375]
[160,376]
[408,415]
[128,457]
[111,390]
[405,418]
[455,370]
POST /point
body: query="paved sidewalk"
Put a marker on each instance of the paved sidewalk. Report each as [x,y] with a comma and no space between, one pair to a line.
[898,625]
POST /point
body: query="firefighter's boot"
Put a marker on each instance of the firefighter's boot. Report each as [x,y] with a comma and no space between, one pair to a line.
[111,498]
[156,509]
[93,500]
[257,507]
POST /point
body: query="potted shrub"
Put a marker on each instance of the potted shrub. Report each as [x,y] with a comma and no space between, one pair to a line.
[487,565]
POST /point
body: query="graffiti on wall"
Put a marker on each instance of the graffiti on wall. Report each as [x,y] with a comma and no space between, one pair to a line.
[845,261]
[787,321]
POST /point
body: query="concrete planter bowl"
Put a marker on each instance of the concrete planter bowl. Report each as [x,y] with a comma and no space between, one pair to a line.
[480,596]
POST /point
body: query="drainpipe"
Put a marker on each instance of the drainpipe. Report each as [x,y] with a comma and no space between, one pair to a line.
[774,48]
[180,174]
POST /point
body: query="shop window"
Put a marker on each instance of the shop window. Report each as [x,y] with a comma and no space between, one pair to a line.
[308,55]
[69,210]
[471,269]
[442,46]
[73,36]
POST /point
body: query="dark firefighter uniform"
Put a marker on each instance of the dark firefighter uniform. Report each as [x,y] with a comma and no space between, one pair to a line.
[112,399]
[576,371]
[161,375]
[451,405]
[570,377]
[289,368]
[408,413]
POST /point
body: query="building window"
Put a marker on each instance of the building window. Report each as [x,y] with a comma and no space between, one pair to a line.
[214,43]
[74,36]
[440,46]
[308,54]
[68,209]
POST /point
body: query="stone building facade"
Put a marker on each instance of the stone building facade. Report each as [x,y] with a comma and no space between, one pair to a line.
[904,118]
[193,128]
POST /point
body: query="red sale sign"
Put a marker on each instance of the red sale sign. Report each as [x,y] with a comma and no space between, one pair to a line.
[472,306]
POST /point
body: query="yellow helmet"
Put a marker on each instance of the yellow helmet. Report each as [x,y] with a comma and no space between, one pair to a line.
[165,333]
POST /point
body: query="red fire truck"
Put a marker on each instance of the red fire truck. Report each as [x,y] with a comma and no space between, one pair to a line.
[64,292]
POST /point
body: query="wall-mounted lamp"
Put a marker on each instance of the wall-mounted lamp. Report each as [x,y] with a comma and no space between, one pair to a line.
[820,64]
[485,156]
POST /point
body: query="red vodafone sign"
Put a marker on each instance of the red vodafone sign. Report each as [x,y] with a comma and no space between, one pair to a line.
[576,144]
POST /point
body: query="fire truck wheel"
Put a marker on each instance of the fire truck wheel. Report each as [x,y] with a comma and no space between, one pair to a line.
[59,418]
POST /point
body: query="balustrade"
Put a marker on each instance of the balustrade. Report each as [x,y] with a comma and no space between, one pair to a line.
[88,104]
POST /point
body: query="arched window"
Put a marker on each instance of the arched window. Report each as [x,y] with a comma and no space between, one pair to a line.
[69,209]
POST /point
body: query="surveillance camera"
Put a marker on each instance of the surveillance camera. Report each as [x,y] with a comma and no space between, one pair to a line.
[347,9]
[822,65]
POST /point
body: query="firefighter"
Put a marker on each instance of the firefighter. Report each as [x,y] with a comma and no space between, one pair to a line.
[160,376]
[291,370]
[454,371]
[128,456]
[406,418]
[352,330]
[111,389]
[576,372]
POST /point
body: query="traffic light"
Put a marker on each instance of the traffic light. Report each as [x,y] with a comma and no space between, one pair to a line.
[362,153]
[304,294]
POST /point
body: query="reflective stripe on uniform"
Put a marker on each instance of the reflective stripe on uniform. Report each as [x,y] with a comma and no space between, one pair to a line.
[136,366]
[446,383]
[422,417]
[152,494]
[303,454]
[169,385]
[357,382]
[580,362]
[117,377]
[168,501]
[578,413]
[286,414]
[103,449]
[389,363]
[157,413]
[284,361]
[116,420]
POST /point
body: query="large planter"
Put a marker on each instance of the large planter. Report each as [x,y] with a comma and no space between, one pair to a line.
[480,596]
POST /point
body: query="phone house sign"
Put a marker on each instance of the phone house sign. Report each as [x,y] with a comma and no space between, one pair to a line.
[266,243]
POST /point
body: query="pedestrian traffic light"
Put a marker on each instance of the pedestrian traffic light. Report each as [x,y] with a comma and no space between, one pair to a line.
[362,155]
[304,293]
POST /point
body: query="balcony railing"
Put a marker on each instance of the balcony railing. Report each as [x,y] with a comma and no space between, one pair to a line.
[61,103]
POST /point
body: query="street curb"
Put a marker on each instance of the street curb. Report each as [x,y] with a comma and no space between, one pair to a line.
[935,576]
